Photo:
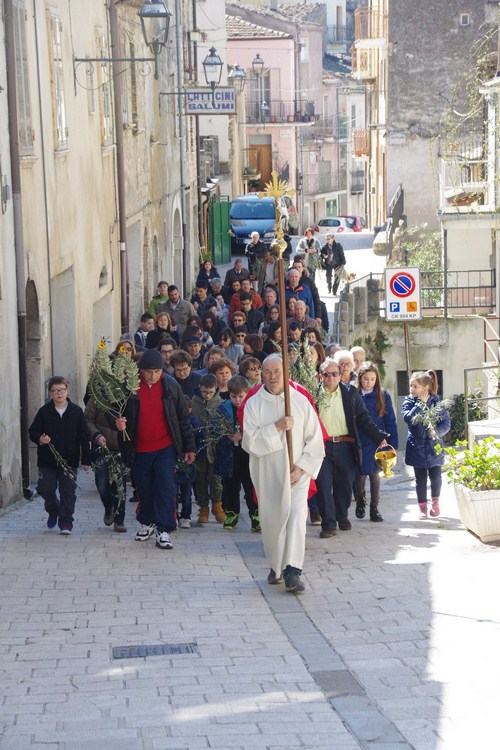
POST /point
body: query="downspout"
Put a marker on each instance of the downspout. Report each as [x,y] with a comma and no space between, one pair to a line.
[182,138]
[18,240]
[120,169]
[199,196]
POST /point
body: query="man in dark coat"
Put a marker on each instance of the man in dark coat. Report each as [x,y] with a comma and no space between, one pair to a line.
[332,255]
[343,414]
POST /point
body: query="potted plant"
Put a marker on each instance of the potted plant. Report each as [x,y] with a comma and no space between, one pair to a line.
[475,473]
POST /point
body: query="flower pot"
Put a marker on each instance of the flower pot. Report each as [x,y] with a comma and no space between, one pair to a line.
[479,512]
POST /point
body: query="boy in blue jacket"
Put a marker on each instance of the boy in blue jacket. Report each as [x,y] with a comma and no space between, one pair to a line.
[232,462]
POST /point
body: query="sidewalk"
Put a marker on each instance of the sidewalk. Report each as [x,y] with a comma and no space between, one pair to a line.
[394,644]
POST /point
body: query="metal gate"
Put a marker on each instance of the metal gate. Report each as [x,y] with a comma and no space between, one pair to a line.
[219,239]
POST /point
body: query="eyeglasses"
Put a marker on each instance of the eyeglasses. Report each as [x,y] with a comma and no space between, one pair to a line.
[58,390]
[254,369]
[331,374]
[179,370]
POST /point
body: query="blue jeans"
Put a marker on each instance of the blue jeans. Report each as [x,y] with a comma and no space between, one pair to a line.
[334,483]
[109,493]
[154,477]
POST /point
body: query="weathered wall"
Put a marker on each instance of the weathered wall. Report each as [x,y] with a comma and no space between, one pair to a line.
[10,450]
[428,52]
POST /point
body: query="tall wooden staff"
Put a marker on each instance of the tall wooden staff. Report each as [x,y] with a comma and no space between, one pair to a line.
[277,189]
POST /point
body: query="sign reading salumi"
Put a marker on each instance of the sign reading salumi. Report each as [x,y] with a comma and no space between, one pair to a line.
[200,101]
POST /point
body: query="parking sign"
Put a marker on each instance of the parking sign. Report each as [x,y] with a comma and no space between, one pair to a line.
[402,294]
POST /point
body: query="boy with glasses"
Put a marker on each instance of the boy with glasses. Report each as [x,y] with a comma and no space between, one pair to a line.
[61,423]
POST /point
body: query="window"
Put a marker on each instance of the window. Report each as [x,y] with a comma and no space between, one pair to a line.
[464,19]
[60,123]
[106,104]
[22,80]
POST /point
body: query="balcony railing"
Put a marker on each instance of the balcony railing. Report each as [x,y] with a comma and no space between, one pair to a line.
[369,24]
[313,184]
[468,292]
[464,176]
[339,34]
[279,111]
[361,142]
[328,127]
[364,63]
[357,181]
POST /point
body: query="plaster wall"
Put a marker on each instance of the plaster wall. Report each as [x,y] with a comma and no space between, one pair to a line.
[10,444]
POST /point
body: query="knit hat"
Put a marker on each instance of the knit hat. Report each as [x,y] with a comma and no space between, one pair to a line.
[151,360]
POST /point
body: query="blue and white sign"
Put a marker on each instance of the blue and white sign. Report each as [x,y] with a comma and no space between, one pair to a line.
[200,102]
[402,294]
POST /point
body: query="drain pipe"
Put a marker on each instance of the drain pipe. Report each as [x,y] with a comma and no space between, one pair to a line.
[182,143]
[18,241]
[120,169]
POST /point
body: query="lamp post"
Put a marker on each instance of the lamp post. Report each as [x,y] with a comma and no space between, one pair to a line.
[212,67]
[155,21]
[258,68]
[237,78]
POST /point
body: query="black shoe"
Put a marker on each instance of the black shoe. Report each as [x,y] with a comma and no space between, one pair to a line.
[327,533]
[108,516]
[360,508]
[344,524]
[315,518]
[293,584]
[272,578]
[375,515]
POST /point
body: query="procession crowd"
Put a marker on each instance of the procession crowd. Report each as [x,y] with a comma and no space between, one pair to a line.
[208,417]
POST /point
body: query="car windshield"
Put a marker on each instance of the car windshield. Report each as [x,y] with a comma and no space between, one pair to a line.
[252,210]
[329,223]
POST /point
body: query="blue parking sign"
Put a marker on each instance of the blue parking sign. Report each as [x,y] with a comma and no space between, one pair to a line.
[394,307]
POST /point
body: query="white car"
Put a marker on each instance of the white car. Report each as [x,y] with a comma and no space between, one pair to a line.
[333,224]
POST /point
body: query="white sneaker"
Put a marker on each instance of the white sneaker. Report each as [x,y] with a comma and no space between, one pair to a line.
[163,540]
[144,532]
[184,523]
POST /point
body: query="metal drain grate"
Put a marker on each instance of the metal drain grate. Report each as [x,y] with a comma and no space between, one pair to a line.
[158,649]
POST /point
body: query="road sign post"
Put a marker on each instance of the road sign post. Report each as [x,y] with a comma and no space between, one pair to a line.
[402,294]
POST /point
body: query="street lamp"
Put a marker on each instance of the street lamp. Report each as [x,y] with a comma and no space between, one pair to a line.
[237,78]
[212,66]
[155,21]
[258,68]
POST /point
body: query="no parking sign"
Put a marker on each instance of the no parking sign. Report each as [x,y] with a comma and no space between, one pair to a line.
[402,294]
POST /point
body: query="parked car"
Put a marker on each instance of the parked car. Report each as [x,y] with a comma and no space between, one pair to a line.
[249,213]
[334,224]
[357,223]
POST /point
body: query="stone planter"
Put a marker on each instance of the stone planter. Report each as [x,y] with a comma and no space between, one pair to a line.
[479,512]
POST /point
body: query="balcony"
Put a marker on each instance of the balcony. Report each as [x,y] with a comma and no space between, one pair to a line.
[365,63]
[279,111]
[339,36]
[360,143]
[328,128]
[357,181]
[369,24]
[464,182]
[315,184]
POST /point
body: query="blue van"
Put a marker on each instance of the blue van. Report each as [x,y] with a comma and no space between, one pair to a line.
[249,213]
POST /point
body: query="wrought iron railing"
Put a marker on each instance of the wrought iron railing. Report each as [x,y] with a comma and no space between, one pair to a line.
[324,183]
[369,24]
[277,110]
[328,127]
[340,34]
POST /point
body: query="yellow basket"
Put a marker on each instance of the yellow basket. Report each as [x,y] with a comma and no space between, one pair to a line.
[386,459]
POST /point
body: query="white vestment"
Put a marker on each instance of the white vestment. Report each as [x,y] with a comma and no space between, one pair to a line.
[282,508]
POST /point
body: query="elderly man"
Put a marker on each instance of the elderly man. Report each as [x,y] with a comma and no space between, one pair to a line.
[306,280]
[359,356]
[295,288]
[270,298]
[282,489]
[237,273]
[180,310]
[344,359]
[343,414]
[255,252]
[302,318]
[268,271]
[309,246]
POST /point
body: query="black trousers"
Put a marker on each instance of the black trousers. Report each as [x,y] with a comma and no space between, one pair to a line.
[231,486]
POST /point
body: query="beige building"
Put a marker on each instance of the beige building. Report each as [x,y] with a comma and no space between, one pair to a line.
[107,202]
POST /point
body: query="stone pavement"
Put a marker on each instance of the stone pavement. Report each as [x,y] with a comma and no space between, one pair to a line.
[394,644]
